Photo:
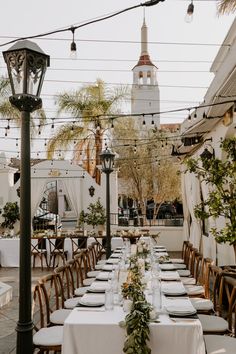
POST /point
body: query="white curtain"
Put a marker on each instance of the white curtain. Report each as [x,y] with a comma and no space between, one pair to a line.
[193,197]
[185,209]
[37,189]
[73,190]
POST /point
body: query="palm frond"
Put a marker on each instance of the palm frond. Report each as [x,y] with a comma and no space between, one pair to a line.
[226,6]
[63,138]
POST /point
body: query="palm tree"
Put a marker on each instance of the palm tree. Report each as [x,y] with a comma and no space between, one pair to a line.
[6,109]
[226,6]
[88,106]
[9,112]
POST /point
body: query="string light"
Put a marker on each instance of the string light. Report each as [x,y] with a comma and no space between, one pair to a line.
[152,123]
[73,52]
[52,126]
[144,122]
[189,116]
[189,14]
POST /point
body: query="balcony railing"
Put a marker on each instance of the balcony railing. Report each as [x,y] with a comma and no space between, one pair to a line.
[142,220]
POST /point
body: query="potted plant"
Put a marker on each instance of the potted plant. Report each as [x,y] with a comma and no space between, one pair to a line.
[95,215]
[10,214]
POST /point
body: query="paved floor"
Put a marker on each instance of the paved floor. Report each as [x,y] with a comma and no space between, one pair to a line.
[9,313]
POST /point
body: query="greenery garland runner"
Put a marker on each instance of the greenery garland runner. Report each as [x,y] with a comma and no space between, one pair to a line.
[137,321]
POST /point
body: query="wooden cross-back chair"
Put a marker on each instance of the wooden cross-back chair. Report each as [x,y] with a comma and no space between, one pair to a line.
[57,250]
[53,290]
[39,250]
[45,338]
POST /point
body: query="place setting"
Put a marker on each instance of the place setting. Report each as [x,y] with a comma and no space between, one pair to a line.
[91,302]
[180,308]
[173,288]
[98,287]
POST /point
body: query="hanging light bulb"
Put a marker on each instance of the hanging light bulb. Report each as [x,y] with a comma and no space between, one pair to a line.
[189,14]
[73,53]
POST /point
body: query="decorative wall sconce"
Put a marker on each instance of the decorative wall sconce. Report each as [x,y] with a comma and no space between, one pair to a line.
[206,155]
[91,191]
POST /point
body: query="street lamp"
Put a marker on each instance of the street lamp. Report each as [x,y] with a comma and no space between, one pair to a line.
[26,64]
[107,159]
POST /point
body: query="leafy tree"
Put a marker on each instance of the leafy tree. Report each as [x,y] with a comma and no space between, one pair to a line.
[88,106]
[220,175]
[145,165]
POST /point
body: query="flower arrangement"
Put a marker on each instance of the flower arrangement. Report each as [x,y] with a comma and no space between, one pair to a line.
[137,321]
[143,248]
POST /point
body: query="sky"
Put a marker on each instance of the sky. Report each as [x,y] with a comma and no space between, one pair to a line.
[183,52]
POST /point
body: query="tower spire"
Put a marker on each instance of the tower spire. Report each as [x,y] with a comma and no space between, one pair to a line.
[144,36]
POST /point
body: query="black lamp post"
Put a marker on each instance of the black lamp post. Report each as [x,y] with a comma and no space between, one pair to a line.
[26,64]
[107,159]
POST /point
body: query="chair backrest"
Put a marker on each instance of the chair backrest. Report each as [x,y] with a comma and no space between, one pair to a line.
[81,267]
[53,291]
[189,246]
[40,308]
[184,248]
[229,290]
[63,281]
[59,243]
[38,244]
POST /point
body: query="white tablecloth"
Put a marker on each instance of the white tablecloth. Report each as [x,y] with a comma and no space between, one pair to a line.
[98,332]
[9,250]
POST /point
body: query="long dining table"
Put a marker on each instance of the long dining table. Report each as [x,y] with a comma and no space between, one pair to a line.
[97,330]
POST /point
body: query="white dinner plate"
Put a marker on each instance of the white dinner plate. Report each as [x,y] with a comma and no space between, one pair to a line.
[92,300]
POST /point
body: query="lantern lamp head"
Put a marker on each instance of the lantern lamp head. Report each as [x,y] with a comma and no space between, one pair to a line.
[91,191]
[107,159]
[26,65]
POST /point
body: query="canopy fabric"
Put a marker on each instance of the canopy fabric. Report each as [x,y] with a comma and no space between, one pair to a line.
[73,189]
[37,189]
[192,187]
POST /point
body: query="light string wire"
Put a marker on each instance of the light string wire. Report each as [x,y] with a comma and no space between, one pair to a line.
[116,116]
[73,28]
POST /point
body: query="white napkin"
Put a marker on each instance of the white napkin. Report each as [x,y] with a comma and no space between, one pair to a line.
[103,276]
[173,288]
[168,266]
[112,261]
[169,275]
[179,306]
[98,286]
[92,299]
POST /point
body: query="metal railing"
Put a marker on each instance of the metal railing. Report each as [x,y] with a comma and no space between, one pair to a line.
[142,220]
